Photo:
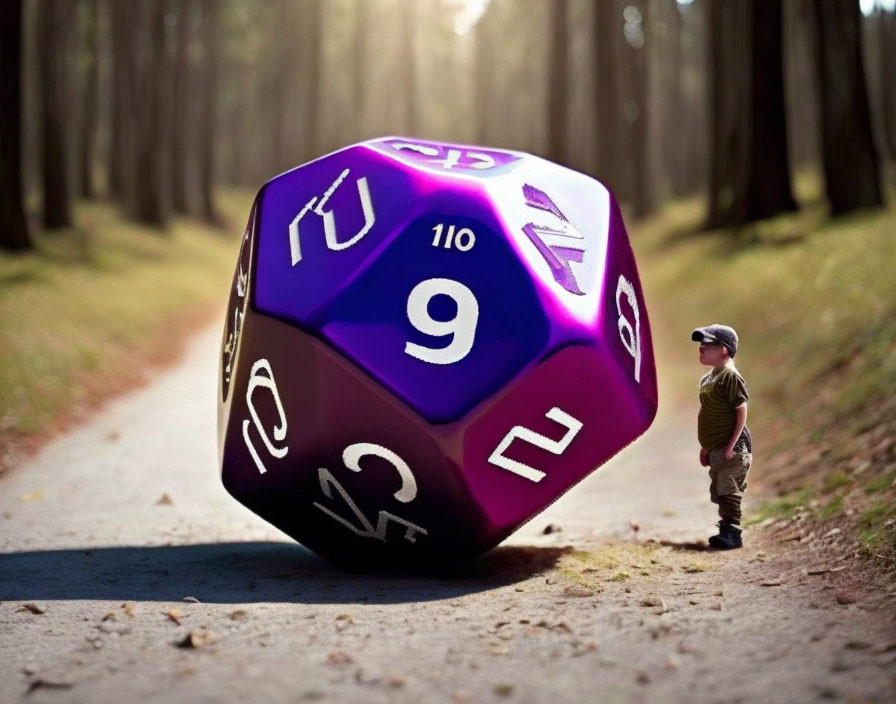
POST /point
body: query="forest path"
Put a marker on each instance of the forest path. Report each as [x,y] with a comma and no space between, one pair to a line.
[644,615]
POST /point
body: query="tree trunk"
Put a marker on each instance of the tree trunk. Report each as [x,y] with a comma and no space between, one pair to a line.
[13,227]
[151,204]
[483,67]
[407,54]
[56,24]
[886,23]
[851,169]
[210,42]
[360,74]
[180,198]
[91,96]
[121,145]
[606,31]
[637,113]
[749,167]
[768,179]
[311,26]
[558,82]
[672,120]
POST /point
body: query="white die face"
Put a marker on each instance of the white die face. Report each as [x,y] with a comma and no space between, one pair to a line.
[558,221]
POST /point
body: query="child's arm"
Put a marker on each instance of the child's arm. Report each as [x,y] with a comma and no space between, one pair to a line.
[739,424]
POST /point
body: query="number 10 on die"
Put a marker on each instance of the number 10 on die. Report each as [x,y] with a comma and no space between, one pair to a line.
[462,239]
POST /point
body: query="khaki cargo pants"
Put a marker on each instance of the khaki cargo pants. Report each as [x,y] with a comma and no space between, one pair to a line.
[728,481]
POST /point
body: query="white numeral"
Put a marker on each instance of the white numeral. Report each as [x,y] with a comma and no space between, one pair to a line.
[452,159]
[462,326]
[295,250]
[525,434]
[263,376]
[351,456]
[633,343]
[463,240]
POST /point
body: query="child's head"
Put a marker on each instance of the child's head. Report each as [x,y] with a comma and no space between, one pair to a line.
[718,344]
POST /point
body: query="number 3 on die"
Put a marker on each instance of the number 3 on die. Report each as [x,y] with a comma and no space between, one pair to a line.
[462,326]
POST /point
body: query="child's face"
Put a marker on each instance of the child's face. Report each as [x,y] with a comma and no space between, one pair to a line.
[713,355]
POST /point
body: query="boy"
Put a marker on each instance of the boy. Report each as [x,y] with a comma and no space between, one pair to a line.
[726,445]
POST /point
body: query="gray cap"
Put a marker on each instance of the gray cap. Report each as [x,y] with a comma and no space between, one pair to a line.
[717,334]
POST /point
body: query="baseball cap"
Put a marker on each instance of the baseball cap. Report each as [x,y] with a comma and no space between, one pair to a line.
[717,334]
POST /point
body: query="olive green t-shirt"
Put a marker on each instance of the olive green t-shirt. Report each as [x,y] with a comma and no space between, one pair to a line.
[720,392]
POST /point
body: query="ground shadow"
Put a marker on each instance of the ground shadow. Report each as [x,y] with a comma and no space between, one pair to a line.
[684,545]
[243,572]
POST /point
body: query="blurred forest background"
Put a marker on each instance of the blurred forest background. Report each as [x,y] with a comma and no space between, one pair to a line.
[751,139]
[155,103]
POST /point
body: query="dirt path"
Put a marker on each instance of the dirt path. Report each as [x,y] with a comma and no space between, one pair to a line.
[596,612]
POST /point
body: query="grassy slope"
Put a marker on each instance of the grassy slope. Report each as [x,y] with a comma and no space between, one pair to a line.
[86,312]
[814,303]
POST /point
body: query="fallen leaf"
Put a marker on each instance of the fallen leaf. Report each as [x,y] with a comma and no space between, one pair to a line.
[195,640]
[396,681]
[164,500]
[174,615]
[33,608]
[339,658]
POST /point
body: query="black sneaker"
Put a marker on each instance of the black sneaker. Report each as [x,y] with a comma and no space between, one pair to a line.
[728,537]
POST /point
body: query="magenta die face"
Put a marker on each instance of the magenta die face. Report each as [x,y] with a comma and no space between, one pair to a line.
[426,345]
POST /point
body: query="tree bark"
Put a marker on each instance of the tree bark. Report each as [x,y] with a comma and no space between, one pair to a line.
[210,44]
[768,180]
[407,55]
[558,82]
[851,169]
[91,96]
[55,26]
[360,74]
[121,145]
[886,23]
[640,186]
[606,33]
[749,167]
[14,234]
[151,203]
[180,197]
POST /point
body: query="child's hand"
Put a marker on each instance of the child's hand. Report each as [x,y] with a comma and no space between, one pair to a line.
[729,453]
[704,457]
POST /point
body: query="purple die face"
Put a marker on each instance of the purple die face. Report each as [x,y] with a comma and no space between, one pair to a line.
[426,345]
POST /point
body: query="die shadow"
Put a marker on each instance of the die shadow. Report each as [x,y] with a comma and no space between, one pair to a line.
[244,572]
